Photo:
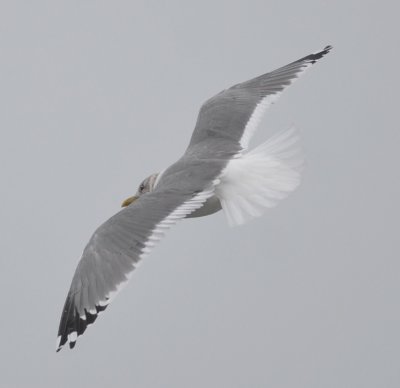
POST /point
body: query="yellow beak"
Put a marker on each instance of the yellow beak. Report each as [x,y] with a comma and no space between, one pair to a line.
[129,200]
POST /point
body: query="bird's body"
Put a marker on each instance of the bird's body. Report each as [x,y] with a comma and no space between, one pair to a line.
[216,172]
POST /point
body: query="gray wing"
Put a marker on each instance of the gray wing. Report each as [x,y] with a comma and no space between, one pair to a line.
[118,245]
[231,117]
[223,128]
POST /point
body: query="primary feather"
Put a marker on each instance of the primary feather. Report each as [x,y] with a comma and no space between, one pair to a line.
[216,169]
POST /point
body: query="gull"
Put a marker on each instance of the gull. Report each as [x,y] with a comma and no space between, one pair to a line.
[217,171]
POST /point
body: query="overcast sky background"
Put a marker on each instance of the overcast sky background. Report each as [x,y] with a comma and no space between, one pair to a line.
[96,95]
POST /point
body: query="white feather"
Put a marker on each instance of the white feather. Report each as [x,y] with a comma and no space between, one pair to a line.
[265,102]
[256,117]
[257,180]
[158,232]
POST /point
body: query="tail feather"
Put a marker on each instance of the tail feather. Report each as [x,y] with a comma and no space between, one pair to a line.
[258,179]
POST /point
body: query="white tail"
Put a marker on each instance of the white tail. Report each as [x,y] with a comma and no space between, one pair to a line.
[258,179]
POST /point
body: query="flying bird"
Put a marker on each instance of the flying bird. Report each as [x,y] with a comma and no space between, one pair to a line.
[217,171]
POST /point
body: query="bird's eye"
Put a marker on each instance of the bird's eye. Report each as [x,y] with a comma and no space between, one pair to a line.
[141,187]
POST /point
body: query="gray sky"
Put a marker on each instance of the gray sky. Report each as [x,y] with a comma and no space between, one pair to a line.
[96,95]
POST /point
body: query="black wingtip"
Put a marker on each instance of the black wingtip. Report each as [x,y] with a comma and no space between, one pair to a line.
[72,325]
[320,54]
[312,58]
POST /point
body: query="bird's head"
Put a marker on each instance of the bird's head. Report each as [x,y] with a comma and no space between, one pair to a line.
[145,187]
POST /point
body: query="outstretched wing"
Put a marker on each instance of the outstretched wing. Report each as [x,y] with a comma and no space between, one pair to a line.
[233,115]
[223,129]
[117,246]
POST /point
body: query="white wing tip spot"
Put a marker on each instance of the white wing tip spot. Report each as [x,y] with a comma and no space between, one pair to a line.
[72,336]
[180,212]
[58,341]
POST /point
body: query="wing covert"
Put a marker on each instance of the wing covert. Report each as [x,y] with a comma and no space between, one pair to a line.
[115,250]
[233,114]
